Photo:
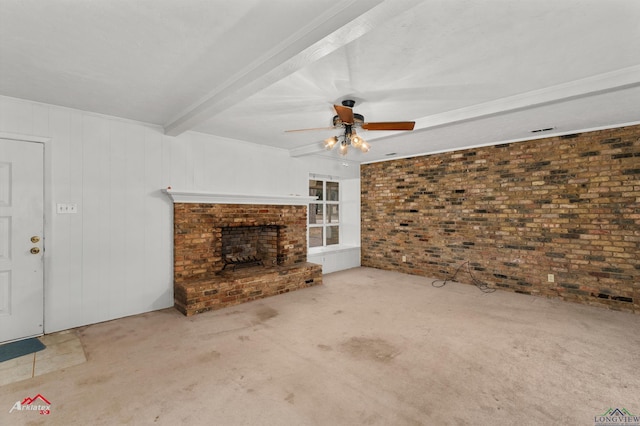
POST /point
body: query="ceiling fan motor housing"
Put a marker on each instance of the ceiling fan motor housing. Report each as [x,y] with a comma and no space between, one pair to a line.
[357,119]
[349,120]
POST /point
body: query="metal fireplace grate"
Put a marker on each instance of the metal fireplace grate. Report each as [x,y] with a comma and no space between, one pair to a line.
[241,261]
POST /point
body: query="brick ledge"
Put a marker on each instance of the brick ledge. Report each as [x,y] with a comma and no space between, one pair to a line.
[232,288]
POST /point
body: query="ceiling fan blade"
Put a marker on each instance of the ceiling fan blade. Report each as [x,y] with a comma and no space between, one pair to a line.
[308,130]
[391,125]
[345,114]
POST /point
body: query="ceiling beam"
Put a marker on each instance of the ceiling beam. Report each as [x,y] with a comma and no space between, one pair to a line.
[342,24]
[590,86]
[305,150]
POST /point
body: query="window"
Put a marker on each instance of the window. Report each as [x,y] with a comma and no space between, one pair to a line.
[324,213]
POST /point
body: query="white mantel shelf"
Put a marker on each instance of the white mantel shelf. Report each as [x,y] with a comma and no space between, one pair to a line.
[213,198]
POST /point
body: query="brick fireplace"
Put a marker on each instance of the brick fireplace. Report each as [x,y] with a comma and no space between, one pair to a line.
[208,235]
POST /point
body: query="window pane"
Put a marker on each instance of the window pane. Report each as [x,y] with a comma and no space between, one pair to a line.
[333,191]
[315,214]
[315,237]
[315,189]
[333,235]
[333,213]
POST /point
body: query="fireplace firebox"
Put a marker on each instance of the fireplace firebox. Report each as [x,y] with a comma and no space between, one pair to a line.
[244,246]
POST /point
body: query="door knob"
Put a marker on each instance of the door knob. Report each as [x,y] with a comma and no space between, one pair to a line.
[35,239]
[35,250]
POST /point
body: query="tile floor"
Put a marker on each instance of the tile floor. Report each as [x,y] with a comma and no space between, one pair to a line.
[63,349]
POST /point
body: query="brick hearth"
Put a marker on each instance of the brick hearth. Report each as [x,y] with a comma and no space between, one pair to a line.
[201,285]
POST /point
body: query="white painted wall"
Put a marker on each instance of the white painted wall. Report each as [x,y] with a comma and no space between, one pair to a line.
[351,212]
[114,257]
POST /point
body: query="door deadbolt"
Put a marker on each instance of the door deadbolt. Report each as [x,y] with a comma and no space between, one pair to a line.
[35,239]
[35,250]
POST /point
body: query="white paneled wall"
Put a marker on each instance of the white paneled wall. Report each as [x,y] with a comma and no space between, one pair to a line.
[201,162]
[336,259]
[350,215]
[114,257]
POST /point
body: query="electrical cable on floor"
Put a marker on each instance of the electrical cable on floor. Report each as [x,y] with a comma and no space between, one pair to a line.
[482,286]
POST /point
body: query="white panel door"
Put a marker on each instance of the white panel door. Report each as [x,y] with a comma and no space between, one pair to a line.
[21,239]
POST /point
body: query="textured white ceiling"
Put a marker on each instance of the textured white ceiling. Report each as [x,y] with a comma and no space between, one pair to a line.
[469,73]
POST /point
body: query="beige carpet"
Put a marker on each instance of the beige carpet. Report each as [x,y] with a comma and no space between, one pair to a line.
[368,347]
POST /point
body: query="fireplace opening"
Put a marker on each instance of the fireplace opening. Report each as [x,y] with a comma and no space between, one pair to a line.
[245,246]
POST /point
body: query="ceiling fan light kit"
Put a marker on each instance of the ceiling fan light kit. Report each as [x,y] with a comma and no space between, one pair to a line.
[349,138]
[348,120]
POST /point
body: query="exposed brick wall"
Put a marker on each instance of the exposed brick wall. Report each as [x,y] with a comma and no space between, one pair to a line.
[568,206]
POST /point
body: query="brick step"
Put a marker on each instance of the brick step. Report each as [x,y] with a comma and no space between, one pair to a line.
[232,288]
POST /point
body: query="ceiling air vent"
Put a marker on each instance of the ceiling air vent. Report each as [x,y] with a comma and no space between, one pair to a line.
[546,129]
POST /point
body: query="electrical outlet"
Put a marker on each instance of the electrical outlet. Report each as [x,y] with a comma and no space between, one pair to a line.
[404,258]
[551,278]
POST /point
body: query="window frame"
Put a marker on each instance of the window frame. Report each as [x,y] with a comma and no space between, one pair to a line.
[325,204]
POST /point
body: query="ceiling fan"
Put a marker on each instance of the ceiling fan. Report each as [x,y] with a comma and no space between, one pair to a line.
[349,121]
